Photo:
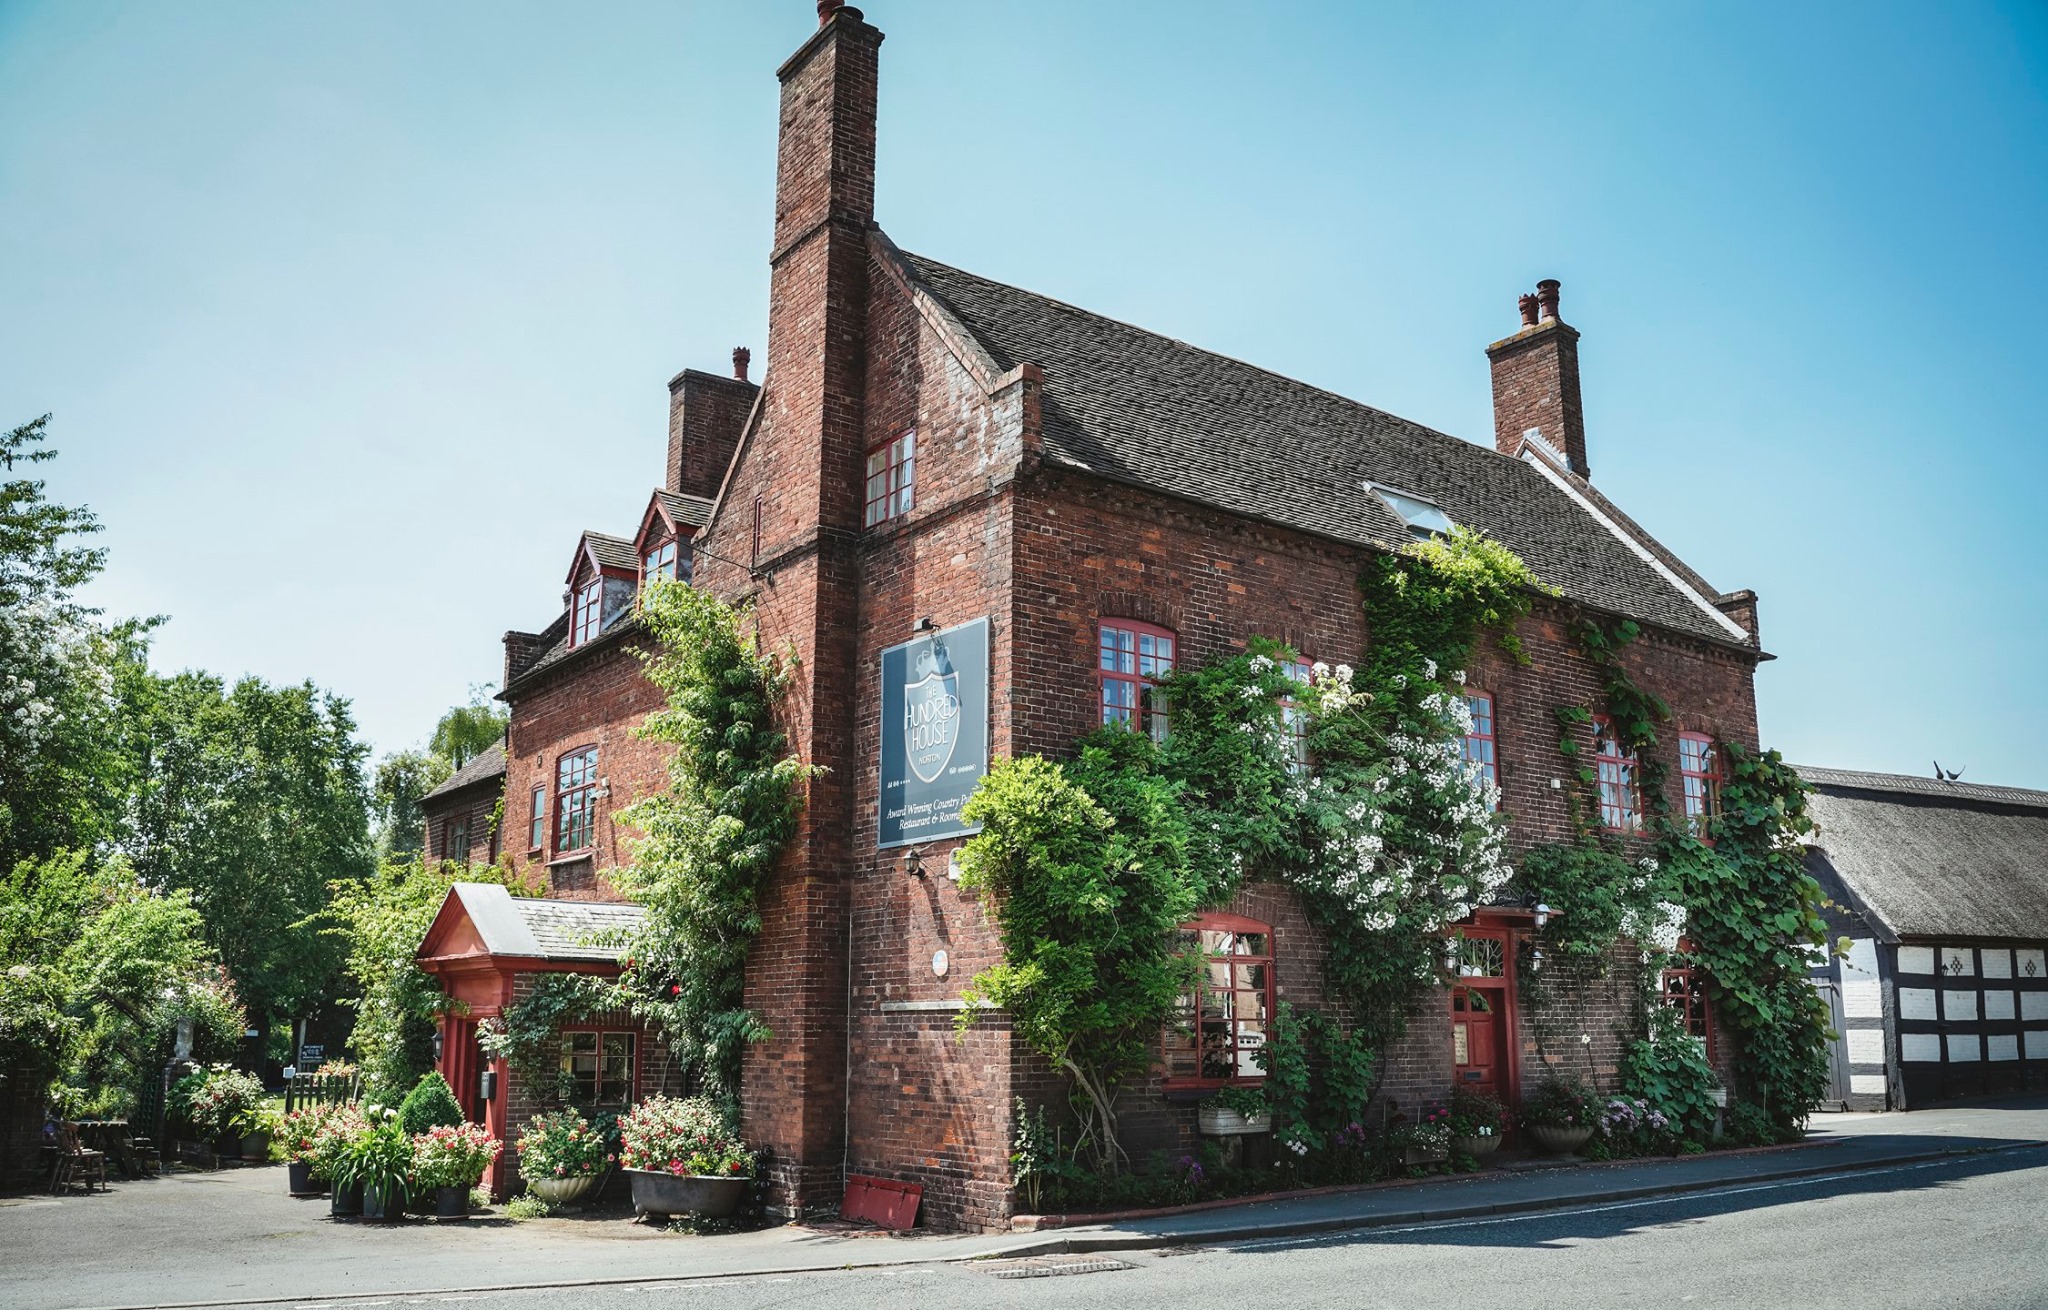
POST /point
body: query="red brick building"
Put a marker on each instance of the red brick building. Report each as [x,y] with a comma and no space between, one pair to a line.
[928,449]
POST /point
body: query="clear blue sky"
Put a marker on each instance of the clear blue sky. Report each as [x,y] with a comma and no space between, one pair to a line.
[352,316]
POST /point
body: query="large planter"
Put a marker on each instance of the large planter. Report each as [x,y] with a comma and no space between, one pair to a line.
[1553,1140]
[714,1198]
[256,1148]
[1222,1121]
[386,1205]
[299,1179]
[1477,1147]
[1415,1155]
[346,1202]
[451,1202]
[562,1191]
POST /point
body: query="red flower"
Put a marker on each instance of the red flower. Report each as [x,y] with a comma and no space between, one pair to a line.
[676,990]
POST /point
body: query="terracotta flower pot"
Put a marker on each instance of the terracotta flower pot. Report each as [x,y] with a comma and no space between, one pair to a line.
[1553,1140]
[712,1197]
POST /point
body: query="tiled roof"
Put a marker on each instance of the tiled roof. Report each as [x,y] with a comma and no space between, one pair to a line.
[612,552]
[559,649]
[685,511]
[485,766]
[1936,859]
[1137,407]
[547,930]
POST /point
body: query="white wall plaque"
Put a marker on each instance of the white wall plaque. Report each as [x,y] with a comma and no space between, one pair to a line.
[1998,1005]
[1997,964]
[2002,1046]
[1963,1048]
[1916,1003]
[1923,1048]
[1861,961]
[1866,1084]
[940,963]
[2037,1044]
[1862,998]
[1866,1045]
[1916,959]
[1959,1005]
[2034,1005]
[2031,964]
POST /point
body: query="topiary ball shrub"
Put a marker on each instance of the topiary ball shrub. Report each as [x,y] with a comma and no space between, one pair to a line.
[430,1104]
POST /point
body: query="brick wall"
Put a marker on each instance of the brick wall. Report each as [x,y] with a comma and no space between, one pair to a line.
[470,809]
[706,413]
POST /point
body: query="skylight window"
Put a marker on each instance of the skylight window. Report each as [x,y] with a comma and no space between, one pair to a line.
[1424,519]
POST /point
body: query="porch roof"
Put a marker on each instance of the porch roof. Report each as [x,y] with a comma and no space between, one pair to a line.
[527,928]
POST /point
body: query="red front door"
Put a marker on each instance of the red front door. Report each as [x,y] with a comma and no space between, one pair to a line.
[1476,1039]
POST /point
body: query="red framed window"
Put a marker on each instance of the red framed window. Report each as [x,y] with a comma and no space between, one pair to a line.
[1225,1019]
[892,469]
[575,800]
[1699,769]
[1621,798]
[1133,657]
[1685,990]
[659,562]
[1482,748]
[598,1067]
[537,826]
[1294,718]
[586,614]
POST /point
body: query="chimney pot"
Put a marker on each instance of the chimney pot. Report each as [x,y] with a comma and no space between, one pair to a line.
[741,357]
[827,8]
[1546,297]
[1528,304]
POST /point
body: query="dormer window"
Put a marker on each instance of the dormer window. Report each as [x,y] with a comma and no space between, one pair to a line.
[659,562]
[586,616]
[1425,519]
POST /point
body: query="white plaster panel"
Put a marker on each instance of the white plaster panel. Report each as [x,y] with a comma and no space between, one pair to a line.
[1866,1084]
[1956,961]
[1861,961]
[1963,1048]
[2034,1005]
[1916,1003]
[1866,1045]
[2031,964]
[2002,1046]
[1922,1048]
[1862,999]
[2037,1043]
[1996,964]
[1959,1005]
[1998,1005]
[1916,959]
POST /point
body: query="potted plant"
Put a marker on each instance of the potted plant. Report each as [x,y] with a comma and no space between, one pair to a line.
[217,1101]
[684,1157]
[1425,1141]
[297,1132]
[257,1127]
[1560,1116]
[1477,1122]
[1234,1112]
[561,1156]
[326,1150]
[379,1161]
[448,1160]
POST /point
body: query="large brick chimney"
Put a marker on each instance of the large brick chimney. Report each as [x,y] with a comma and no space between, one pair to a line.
[787,531]
[1536,382]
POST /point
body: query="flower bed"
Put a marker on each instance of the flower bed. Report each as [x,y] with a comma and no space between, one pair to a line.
[693,1137]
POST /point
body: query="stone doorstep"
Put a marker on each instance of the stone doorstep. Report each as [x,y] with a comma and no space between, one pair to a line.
[1034,1223]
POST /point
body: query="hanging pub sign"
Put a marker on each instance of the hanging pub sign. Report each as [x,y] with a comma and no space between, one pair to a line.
[934,733]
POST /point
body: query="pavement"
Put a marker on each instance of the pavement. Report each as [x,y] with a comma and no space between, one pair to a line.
[235,1238]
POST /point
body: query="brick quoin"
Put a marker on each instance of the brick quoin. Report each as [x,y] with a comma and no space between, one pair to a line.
[858,353]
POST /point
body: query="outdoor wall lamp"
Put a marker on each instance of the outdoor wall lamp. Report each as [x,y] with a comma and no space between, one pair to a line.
[924,624]
[913,862]
[1542,915]
[437,1046]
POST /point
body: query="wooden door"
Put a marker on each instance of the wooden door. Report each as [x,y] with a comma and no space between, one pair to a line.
[1476,1040]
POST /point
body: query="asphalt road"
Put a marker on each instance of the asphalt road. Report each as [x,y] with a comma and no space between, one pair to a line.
[1970,1233]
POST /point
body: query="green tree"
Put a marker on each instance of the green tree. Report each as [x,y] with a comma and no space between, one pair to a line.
[63,673]
[467,731]
[403,779]
[252,798]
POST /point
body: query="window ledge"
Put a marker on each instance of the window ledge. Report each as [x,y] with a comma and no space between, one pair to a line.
[573,857]
[954,1006]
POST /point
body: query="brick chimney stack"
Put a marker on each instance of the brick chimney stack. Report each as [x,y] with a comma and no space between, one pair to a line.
[741,357]
[1536,382]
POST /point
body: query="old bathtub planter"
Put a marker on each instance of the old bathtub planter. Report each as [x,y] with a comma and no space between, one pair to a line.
[685,1157]
[671,1194]
[562,1155]
[560,1192]
[1556,1139]
[1224,1121]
